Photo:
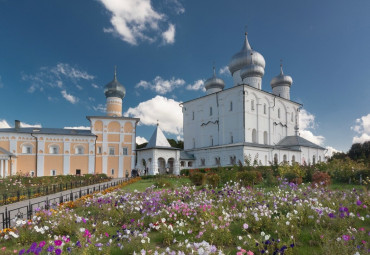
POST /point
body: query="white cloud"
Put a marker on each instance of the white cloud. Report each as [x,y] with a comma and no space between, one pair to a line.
[160,85]
[4,124]
[70,98]
[330,151]
[176,6]
[26,125]
[198,85]
[78,127]
[63,69]
[306,124]
[1,83]
[362,128]
[169,35]
[166,111]
[141,140]
[95,86]
[136,20]
[100,108]
[225,71]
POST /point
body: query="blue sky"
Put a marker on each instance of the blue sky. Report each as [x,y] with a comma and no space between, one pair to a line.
[56,57]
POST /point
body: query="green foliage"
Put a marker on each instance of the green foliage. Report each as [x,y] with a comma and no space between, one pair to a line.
[212,179]
[321,178]
[163,183]
[248,178]
[197,178]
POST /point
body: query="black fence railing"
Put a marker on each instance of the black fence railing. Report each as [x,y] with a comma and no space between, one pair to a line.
[9,217]
[19,195]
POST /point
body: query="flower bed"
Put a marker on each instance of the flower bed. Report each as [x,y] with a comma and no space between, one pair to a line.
[289,219]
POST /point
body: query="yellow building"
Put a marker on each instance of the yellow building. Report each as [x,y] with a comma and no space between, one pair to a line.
[108,147]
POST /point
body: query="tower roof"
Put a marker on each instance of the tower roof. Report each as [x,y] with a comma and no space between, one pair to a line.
[281,79]
[214,82]
[158,139]
[114,88]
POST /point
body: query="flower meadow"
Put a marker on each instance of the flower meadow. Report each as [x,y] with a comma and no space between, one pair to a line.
[232,219]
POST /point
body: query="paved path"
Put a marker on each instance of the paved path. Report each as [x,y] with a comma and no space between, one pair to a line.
[40,202]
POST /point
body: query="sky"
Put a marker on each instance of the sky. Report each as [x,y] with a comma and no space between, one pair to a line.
[56,56]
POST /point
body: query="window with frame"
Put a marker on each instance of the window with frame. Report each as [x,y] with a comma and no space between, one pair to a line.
[211,138]
[252,105]
[53,172]
[231,138]
[54,149]
[99,150]
[210,111]
[264,109]
[231,106]
[111,151]
[79,150]
[112,171]
[279,113]
[291,117]
[193,115]
[202,161]
[124,151]
[26,149]
[32,173]
[190,164]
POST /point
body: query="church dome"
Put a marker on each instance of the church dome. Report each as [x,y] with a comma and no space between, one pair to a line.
[281,79]
[114,88]
[214,82]
[243,58]
[252,69]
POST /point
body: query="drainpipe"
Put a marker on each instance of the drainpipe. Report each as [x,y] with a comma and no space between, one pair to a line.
[37,149]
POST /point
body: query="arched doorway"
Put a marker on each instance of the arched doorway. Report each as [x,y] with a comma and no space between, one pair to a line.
[161,166]
[170,165]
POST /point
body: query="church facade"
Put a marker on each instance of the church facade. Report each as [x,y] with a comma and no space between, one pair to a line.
[229,125]
[108,147]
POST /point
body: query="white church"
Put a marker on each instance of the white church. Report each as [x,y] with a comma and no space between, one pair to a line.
[225,126]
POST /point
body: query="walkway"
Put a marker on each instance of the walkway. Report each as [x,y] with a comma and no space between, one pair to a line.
[22,208]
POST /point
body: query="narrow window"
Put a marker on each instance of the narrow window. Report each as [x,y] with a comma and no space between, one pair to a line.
[190,164]
[26,149]
[210,111]
[111,150]
[193,115]
[32,173]
[99,150]
[231,106]
[211,140]
[112,171]
[265,137]
[54,149]
[314,159]
[254,136]
[284,158]
[275,159]
[291,117]
[252,105]
[264,109]
[293,159]
[279,113]
[79,150]
[319,158]
[193,143]
[182,163]
[124,151]
[53,173]
[231,138]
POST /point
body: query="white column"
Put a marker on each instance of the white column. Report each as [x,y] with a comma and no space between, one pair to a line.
[1,168]
[6,167]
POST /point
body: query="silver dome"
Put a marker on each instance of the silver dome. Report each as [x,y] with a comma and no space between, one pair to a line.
[242,58]
[214,82]
[251,69]
[114,88]
[281,79]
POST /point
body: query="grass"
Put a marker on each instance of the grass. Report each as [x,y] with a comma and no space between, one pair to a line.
[143,184]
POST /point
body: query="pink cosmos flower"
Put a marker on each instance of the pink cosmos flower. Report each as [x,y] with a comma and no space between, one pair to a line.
[245,226]
[345,237]
[250,253]
[58,242]
[42,244]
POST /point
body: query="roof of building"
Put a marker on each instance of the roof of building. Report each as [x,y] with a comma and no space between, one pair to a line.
[186,156]
[158,139]
[115,88]
[3,151]
[292,142]
[113,117]
[48,131]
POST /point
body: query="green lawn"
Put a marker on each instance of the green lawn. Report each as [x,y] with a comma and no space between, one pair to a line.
[146,183]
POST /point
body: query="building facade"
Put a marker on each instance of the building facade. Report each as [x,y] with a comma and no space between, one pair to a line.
[108,147]
[229,125]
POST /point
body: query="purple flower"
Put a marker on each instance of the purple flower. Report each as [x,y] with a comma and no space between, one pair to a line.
[58,242]
[331,215]
[69,249]
[21,251]
[42,244]
[345,237]
[50,248]
[358,202]
[78,244]
[58,251]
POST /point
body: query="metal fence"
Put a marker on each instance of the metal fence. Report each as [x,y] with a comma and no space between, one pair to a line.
[44,190]
[8,217]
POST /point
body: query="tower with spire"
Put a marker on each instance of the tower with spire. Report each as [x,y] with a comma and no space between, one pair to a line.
[214,84]
[281,84]
[114,92]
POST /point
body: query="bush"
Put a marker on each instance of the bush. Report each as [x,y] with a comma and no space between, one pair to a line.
[290,176]
[184,172]
[163,183]
[197,178]
[248,178]
[321,178]
[212,179]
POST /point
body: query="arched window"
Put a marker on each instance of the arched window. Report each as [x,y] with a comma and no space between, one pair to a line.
[265,160]
[231,106]
[210,111]
[279,113]
[254,136]
[284,158]
[265,137]
[252,105]
[314,159]
[231,138]
[193,115]
[79,149]
[211,140]
[182,163]
[276,159]
[264,109]
[293,159]
[193,143]
[202,161]
[190,164]
[54,149]
[292,117]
